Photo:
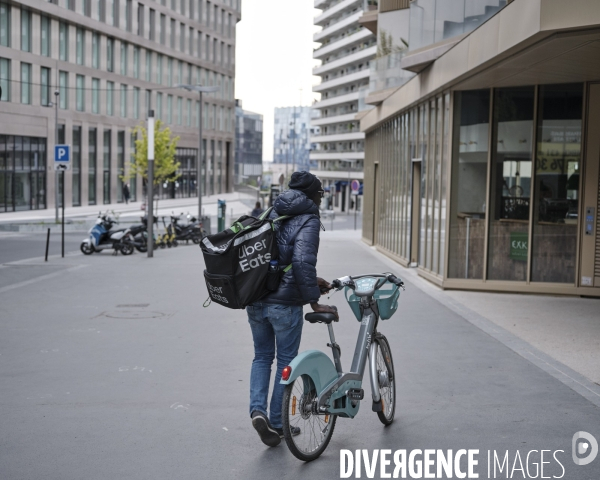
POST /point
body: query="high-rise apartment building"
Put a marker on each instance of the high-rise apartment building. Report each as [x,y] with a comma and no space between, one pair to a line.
[346,50]
[102,64]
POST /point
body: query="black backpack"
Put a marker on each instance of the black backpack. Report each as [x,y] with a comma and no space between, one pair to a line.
[238,270]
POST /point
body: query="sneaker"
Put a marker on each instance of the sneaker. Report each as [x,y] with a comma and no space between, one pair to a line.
[295,431]
[266,432]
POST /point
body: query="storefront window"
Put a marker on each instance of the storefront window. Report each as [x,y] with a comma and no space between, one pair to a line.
[469,179]
[556,192]
[510,183]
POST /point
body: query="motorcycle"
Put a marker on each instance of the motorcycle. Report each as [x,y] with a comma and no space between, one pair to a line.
[191,231]
[102,237]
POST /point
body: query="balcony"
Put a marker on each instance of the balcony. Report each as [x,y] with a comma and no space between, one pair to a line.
[328,102]
[348,117]
[364,54]
[369,16]
[333,10]
[336,27]
[343,80]
[338,137]
[340,43]
[387,74]
[337,155]
[433,21]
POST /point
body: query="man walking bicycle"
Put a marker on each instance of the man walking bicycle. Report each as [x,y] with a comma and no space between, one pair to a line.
[276,319]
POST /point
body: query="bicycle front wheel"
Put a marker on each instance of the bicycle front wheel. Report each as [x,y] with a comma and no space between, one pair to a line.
[315,431]
[386,380]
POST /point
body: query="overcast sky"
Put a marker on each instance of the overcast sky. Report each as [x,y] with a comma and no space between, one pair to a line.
[274,58]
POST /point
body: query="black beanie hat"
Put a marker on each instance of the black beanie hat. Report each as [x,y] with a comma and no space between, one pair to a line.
[305,182]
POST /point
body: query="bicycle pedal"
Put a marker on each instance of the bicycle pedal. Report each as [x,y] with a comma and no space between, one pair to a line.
[355,394]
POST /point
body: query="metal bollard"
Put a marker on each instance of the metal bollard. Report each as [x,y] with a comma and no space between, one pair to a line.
[47,244]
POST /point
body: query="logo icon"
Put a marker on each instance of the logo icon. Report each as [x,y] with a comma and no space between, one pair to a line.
[587,446]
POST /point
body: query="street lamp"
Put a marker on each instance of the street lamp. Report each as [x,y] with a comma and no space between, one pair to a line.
[199,180]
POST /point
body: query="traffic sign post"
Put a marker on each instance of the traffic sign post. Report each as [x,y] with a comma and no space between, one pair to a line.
[62,163]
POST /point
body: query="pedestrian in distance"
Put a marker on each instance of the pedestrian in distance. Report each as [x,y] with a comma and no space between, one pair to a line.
[126,192]
[257,210]
[276,319]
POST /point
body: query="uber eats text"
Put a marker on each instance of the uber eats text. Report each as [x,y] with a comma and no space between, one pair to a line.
[251,258]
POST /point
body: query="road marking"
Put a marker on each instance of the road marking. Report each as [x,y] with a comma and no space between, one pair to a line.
[39,279]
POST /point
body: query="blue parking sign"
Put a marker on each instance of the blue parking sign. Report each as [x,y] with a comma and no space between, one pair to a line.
[62,153]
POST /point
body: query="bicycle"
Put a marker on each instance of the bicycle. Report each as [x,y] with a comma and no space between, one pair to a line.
[318,390]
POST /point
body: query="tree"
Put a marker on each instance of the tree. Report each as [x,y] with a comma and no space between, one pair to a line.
[165,166]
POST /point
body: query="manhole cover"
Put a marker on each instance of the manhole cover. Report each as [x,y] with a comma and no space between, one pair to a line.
[134,315]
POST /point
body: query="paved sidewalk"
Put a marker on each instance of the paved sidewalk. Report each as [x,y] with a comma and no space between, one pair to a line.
[111,369]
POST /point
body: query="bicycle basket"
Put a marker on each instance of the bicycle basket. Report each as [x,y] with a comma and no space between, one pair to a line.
[386,297]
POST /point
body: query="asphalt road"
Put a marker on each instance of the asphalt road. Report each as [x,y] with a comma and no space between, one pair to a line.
[110,368]
[20,246]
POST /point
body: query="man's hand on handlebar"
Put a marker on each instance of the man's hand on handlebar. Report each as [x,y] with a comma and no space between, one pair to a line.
[317,307]
[324,285]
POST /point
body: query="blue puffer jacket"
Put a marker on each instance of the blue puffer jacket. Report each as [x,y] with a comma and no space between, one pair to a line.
[298,241]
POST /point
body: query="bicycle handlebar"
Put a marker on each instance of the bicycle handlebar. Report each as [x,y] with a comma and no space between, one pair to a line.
[348,281]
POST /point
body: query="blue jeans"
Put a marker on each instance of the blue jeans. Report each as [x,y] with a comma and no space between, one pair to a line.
[272,325]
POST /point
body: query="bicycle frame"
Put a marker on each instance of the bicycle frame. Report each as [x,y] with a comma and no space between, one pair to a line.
[331,383]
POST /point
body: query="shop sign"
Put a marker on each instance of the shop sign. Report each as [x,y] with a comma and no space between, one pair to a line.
[519,244]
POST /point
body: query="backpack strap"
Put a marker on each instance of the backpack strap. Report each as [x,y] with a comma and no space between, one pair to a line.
[265,214]
[287,269]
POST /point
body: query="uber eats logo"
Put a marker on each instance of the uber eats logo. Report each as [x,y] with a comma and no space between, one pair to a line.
[250,256]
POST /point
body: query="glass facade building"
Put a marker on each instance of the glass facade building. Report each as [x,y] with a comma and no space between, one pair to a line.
[491,181]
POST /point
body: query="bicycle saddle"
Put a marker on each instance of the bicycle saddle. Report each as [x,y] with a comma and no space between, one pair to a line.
[317,317]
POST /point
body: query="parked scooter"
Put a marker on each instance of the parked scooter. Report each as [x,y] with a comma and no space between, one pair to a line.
[102,237]
[190,231]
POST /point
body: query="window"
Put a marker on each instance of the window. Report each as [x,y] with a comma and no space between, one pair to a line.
[556,183]
[80,93]
[95,95]
[4,25]
[63,89]
[80,51]
[180,71]
[107,155]
[159,68]
[148,66]
[511,182]
[148,100]
[169,109]
[170,72]
[87,8]
[163,29]
[207,49]
[123,101]
[129,16]
[102,10]
[199,46]
[110,89]
[63,41]
[179,111]
[5,79]
[110,12]
[45,36]
[45,86]
[26,83]
[124,48]
[95,50]
[25,30]
[189,113]
[120,163]
[76,166]
[140,15]
[191,41]
[110,57]
[182,10]
[182,37]
[173,32]
[136,62]
[152,20]
[159,102]
[136,102]
[197,116]
[92,161]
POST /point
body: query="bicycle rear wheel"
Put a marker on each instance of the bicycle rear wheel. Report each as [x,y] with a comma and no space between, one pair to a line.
[386,380]
[315,430]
